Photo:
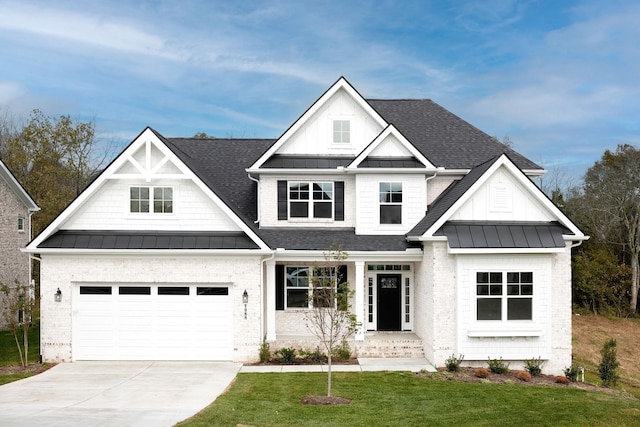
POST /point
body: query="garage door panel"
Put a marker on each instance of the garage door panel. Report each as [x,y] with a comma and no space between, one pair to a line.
[156,322]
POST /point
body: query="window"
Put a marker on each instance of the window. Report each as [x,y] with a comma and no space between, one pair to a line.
[300,281]
[140,201]
[311,200]
[341,132]
[390,203]
[21,224]
[510,300]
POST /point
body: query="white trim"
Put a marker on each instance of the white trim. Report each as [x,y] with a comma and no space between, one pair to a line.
[150,252]
[390,130]
[341,169]
[504,332]
[340,84]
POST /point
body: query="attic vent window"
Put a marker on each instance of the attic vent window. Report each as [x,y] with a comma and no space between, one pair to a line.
[341,132]
[500,198]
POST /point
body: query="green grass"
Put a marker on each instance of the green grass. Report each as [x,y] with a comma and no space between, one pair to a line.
[9,352]
[402,398]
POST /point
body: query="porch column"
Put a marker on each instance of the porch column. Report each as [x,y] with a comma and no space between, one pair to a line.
[360,295]
[270,315]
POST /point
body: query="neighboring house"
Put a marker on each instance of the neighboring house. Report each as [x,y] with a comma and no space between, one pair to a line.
[451,247]
[16,207]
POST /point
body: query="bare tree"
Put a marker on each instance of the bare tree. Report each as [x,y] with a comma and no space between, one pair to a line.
[331,319]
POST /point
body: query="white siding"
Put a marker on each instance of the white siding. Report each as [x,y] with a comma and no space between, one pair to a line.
[390,147]
[108,209]
[315,137]
[502,198]
[367,203]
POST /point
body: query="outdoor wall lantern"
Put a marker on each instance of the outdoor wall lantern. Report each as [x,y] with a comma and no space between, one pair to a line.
[245,301]
[58,295]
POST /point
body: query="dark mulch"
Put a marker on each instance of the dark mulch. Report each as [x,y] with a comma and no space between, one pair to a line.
[511,377]
[324,400]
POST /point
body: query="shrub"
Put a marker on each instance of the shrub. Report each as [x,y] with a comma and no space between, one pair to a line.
[572,372]
[342,352]
[524,376]
[562,380]
[498,366]
[264,351]
[534,366]
[316,356]
[608,368]
[287,354]
[482,373]
[453,363]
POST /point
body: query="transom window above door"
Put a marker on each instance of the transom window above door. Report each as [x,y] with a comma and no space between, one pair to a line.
[311,199]
[141,201]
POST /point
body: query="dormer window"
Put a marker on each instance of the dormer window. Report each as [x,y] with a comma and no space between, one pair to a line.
[140,201]
[390,203]
[341,132]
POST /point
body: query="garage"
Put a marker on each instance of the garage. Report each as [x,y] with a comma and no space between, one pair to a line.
[153,322]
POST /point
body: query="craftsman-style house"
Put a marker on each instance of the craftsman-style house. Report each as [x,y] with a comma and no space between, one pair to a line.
[198,248]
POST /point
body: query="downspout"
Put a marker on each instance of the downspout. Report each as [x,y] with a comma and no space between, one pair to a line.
[257,181]
[264,287]
[429,178]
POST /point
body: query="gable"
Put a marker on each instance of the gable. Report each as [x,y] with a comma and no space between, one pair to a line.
[12,184]
[175,200]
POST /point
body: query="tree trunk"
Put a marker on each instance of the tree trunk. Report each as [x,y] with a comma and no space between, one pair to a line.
[329,374]
[25,340]
[634,282]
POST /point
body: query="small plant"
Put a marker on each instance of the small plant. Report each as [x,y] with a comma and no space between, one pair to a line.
[482,373]
[562,380]
[498,366]
[608,368]
[572,373]
[316,356]
[524,376]
[264,352]
[453,363]
[342,352]
[534,366]
[287,354]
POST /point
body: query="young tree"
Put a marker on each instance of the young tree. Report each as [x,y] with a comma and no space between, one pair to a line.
[18,303]
[610,206]
[608,368]
[330,318]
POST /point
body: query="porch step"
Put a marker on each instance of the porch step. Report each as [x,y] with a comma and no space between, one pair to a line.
[390,345]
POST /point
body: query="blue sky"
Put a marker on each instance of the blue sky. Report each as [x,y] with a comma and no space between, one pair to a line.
[561,79]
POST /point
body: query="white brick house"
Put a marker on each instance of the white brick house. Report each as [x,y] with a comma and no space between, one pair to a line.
[451,246]
[16,208]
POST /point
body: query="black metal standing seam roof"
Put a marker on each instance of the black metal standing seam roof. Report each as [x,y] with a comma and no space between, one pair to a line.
[110,239]
[396,162]
[306,162]
[441,136]
[488,234]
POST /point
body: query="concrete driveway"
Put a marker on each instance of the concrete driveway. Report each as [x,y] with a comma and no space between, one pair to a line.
[114,393]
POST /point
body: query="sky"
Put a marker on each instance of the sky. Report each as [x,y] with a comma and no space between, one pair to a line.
[559,78]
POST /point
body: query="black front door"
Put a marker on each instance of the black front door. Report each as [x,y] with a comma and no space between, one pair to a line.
[389,313]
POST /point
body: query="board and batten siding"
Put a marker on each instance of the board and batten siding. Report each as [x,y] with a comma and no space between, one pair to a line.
[108,209]
[315,136]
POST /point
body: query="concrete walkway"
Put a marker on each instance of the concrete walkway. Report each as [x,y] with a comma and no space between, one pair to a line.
[364,364]
[114,393]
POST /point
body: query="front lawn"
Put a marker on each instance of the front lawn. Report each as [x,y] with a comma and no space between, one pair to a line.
[10,368]
[403,398]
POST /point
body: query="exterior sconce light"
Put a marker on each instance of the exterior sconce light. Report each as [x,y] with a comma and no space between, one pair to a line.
[245,301]
[58,295]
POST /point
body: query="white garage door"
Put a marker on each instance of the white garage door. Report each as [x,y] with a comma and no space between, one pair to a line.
[157,322]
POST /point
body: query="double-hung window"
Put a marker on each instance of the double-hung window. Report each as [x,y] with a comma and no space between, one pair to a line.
[311,199]
[151,199]
[308,287]
[504,295]
[21,224]
[390,203]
